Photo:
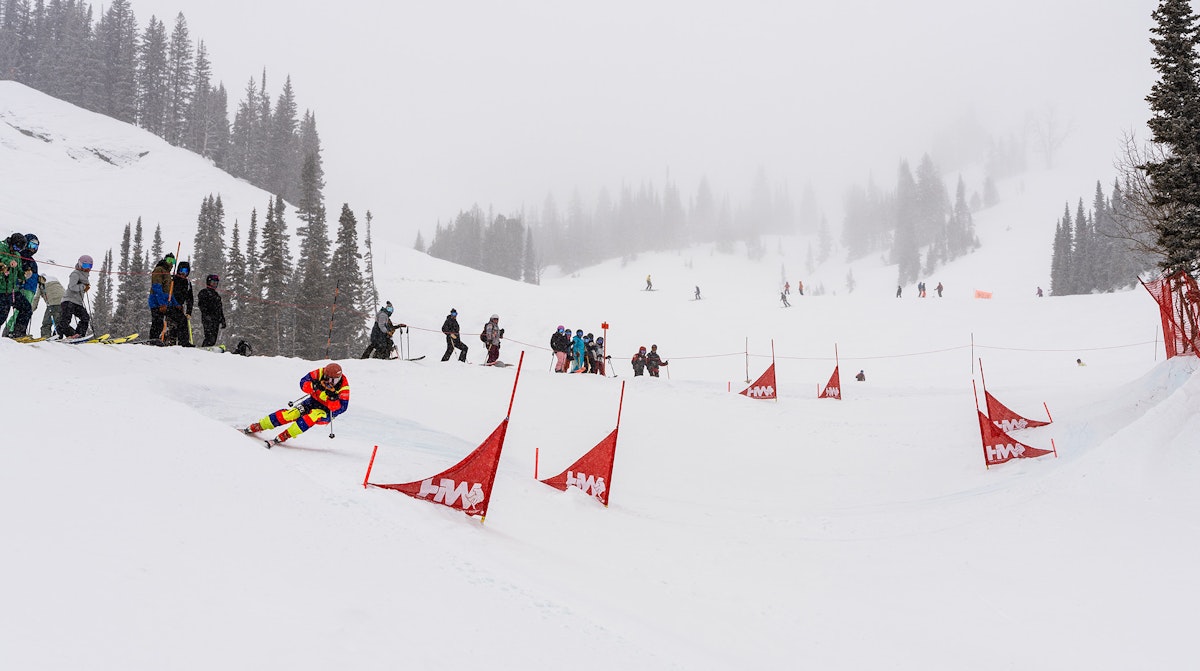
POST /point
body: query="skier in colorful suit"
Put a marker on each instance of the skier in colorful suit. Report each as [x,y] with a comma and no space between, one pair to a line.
[328,396]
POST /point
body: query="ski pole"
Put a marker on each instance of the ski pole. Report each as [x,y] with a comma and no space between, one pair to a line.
[331,426]
[292,404]
[408,339]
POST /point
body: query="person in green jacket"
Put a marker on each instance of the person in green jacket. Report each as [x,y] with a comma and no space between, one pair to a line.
[11,272]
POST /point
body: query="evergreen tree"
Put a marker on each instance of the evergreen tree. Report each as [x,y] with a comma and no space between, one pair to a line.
[152,82]
[156,247]
[316,283]
[233,286]
[102,308]
[179,85]
[348,335]
[905,251]
[371,295]
[1060,262]
[119,58]
[419,243]
[208,245]
[284,162]
[532,272]
[199,113]
[275,264]
[129,296]
[1175,125]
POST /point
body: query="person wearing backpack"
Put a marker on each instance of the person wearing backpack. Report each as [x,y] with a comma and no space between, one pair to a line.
[381,343]
[491,336]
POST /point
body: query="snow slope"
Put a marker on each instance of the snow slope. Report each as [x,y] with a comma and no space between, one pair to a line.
[143,532]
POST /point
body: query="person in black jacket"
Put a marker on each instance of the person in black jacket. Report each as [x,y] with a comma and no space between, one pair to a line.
[212,310]
[453,337]
[653,361]
[179,311]
[639,361]
[560,344]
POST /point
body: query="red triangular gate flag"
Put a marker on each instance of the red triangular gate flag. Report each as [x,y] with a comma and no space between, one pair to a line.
[999,447]
[764,387]
[593,472]
[466,486]
[834,388]
[1005,419]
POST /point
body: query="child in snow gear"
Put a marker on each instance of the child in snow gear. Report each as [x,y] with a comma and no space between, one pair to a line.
[157,302]
[72,303]
[51,291]
[861,377]
[653,361]
[560,344]
[492,334]
[578,349]
[453,337]
[212,310]
[639,361]
[179,307]
[381,334]
[328,396]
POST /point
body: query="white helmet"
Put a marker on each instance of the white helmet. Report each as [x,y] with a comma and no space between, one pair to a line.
[495,316]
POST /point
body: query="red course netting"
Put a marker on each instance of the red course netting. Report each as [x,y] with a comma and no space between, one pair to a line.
[1178,301]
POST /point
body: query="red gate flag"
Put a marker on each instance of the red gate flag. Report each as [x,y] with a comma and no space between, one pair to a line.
[834,388]
[592,472]
[999,447]
[763,387]
[1178,299]
[1005,419]
[467,485]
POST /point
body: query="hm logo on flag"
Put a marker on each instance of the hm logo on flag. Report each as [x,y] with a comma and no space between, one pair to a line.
[1007,425]
[766,391]
[589,483]
[833,392]
[449,492]
[1002,452]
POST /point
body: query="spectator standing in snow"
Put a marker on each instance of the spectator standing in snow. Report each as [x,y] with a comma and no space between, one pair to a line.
[578,351]
[560,344]
[639,361]
[11,276]
[861,377]
[800,287]
[25,297]
[899,290]
[381,343]
[51,291]
[179,307]
[939,289]
[697,292]
[72,303]
[212,310]
[787,288]
[453,337]
[653,361]
[491,336]
[159,279]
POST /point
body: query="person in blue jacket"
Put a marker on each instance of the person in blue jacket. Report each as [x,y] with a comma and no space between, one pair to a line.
[578,349]
[27,287]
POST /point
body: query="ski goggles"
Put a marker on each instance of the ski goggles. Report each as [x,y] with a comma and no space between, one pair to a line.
[85,266]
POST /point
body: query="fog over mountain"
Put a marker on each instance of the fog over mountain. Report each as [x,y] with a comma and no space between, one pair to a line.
[425,109]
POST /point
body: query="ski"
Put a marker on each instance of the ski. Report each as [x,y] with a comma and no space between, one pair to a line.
[265,441]
[119,341]
[31,339]
[89,341]
[416,358]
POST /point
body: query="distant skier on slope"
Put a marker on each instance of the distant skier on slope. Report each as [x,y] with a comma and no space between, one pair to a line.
[328,396]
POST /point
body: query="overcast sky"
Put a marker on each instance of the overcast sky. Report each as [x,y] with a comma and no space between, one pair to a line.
[425,108]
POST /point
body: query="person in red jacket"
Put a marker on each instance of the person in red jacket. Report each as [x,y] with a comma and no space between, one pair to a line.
[328,396]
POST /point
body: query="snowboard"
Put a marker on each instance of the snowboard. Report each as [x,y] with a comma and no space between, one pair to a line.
[498,364]
[119,341]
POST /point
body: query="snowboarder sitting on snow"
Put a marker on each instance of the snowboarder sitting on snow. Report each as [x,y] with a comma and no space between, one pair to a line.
[72,304]
[381,334]
[653,361]
[491,336]
[453,336]
[212,310]
[861,377]
[639,361]
[328,396]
